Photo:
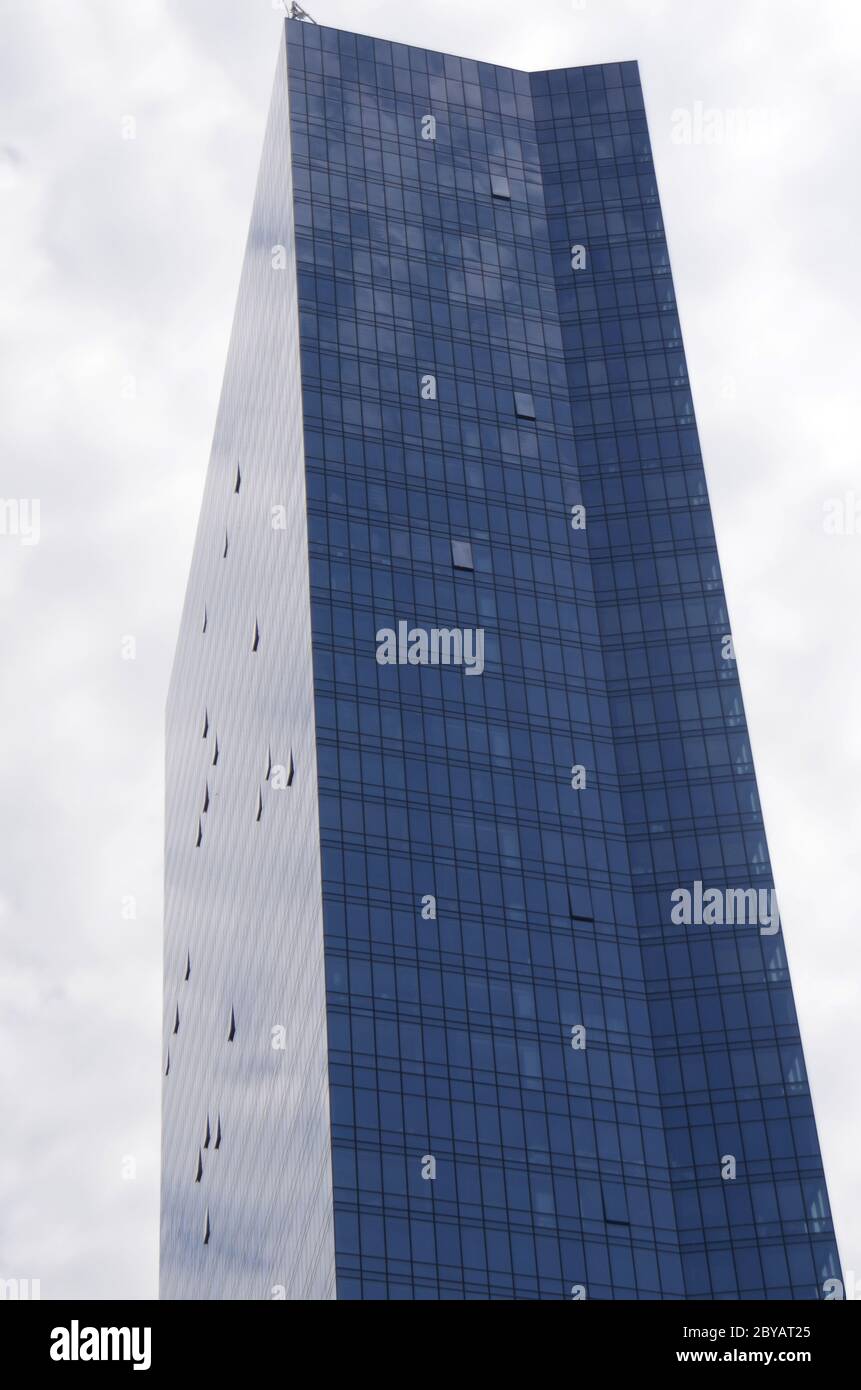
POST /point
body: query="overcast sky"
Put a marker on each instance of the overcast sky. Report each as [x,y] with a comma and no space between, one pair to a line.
[120,261]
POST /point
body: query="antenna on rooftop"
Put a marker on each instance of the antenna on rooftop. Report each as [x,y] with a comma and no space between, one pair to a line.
[296,12]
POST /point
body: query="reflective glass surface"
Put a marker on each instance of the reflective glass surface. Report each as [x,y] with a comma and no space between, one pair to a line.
[497,589]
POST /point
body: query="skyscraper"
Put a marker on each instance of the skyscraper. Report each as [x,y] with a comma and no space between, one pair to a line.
[474,985]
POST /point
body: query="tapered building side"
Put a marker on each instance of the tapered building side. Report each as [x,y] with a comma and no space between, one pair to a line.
[473,983]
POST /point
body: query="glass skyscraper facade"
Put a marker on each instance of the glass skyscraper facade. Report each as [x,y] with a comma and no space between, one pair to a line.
[454,724]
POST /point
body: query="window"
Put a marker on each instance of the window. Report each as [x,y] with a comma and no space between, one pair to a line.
[615,1203]
[461,555]
[291,770]
[232,1031]
[580,904]
[206,1228]
[524,405]
[224,552]
[208,1135]
[259,803]
[256,638]
[237,481]
[199,1173]
[217,1144]
[199,839]
[176,1020]
[206,799]
[187,965]
[205,723]
[499,186]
